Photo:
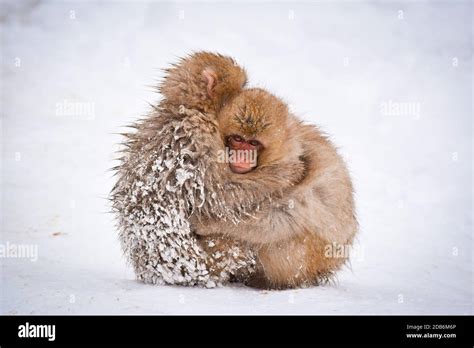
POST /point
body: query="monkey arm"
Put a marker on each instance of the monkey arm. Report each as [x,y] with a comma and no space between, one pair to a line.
[304,209]
[321,202]
[232,196]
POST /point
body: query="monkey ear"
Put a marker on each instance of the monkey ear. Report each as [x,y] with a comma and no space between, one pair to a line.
[211,79]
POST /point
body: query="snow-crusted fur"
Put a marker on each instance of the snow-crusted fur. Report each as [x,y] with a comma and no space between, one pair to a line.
[168,172]
[161,182]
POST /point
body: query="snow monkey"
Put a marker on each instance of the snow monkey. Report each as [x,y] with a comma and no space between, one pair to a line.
[298,235]
[278,214]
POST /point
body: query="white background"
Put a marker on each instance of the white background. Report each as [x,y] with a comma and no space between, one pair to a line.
[335,63]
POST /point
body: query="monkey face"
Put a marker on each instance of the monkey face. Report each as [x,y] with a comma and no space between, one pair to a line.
[254,129]
[243,153]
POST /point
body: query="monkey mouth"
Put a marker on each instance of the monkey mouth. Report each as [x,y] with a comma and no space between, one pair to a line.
[241,168]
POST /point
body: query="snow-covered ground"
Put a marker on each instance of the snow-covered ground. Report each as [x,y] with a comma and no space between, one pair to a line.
[392,84]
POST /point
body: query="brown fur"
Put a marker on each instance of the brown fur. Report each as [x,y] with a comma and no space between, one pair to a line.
[315,209]
[187,82]
[296,202]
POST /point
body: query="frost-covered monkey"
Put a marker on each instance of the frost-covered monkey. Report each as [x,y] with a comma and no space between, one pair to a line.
[169,172]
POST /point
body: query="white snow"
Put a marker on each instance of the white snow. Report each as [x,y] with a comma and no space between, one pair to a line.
[393,89]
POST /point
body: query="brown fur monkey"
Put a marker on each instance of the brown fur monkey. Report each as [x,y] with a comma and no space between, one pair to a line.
[287,209]
[296,236]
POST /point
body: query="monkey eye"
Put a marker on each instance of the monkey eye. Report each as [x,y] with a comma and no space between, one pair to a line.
[254,143]
[237,138]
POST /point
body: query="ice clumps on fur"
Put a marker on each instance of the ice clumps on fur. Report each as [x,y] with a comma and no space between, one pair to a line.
[160,183]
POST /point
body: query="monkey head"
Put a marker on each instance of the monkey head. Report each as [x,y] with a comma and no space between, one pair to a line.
[203,81]
[256,125]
